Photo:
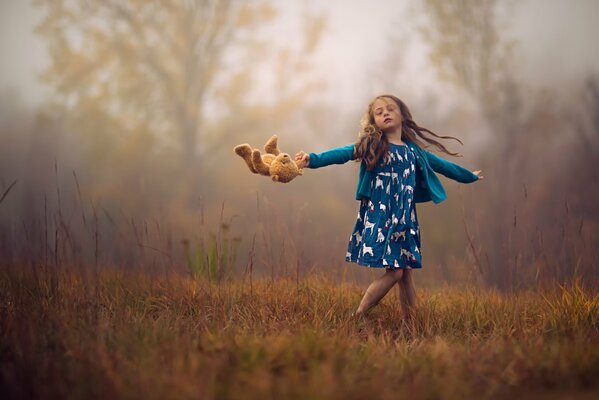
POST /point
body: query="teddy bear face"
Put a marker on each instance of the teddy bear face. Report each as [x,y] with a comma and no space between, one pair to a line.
[283,168]
[283,158]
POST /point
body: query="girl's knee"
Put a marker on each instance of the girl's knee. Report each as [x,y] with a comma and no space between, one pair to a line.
[407,275]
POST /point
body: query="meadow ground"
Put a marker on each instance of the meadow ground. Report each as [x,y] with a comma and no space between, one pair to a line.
[110,334]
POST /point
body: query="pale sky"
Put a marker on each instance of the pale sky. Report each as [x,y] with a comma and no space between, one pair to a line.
[556,41]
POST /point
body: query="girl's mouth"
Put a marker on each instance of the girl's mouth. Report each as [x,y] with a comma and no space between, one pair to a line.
[387,120]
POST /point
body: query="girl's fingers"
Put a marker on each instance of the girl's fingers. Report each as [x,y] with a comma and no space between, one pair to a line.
[302,155]
[302,159]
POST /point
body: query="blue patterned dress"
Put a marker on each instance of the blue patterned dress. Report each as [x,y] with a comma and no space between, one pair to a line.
[386,233]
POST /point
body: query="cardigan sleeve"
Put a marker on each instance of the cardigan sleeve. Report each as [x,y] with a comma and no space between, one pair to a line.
[339,155]
[450,170]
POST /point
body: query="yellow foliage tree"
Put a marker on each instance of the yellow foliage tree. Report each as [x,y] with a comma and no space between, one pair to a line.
[144,68]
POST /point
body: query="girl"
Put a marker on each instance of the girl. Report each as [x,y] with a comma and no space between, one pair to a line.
[395,173]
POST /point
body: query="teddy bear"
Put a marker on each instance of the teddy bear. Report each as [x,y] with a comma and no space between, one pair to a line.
[280,166]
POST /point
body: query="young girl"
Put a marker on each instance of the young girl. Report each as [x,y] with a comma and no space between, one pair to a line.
[395,173]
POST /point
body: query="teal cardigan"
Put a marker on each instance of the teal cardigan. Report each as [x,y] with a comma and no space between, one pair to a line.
[428,186]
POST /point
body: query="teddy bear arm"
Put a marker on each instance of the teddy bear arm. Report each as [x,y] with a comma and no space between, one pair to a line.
[259,165]
[271,146]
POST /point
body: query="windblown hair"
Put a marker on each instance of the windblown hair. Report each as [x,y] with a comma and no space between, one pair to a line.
[372,143]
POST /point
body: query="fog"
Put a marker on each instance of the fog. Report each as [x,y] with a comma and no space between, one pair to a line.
[118,126]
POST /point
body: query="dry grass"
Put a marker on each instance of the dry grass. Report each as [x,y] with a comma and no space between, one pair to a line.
[124,335]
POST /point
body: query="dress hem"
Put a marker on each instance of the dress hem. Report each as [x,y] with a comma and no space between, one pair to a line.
[382,266]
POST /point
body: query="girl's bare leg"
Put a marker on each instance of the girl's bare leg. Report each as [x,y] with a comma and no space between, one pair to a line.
[407,293]
[378,289]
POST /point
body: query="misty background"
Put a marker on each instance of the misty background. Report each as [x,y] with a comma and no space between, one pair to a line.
[118,119]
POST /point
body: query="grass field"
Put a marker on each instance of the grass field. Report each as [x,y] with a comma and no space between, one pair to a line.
[111,334]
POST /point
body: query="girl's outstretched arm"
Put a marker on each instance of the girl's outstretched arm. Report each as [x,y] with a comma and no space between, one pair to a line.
[339,155]
[452,170]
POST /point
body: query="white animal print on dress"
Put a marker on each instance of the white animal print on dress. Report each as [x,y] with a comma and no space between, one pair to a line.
[367,250]
[379,183]
[395,220]
[388,189]
[385,263]
[396,264]
[368,225]
[380,237]
[402,221]
[395,176]
[413,169]
[406,173]
[358,237]
[383,207]
[388,250]
[397,235]
[412,216]
[409,189]
[348,255]
[409,255]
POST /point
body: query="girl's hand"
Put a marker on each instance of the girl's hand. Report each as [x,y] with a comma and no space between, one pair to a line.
[479,174]
[302,159]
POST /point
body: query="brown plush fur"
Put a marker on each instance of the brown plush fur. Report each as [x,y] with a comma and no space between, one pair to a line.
[280,166]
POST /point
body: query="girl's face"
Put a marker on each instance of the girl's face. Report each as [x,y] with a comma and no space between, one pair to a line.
[387,115]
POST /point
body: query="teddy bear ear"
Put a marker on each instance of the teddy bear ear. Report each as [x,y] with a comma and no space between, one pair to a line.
[275,178]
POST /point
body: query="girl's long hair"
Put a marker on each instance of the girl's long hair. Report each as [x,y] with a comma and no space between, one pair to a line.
[373,143]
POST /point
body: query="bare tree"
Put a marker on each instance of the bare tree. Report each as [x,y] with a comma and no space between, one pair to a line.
[469,51]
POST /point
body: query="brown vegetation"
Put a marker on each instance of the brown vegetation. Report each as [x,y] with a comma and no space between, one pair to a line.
[108,333]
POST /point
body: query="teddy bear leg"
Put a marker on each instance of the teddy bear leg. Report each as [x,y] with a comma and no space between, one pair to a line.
[260,166]
[271,146]
[245,151]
